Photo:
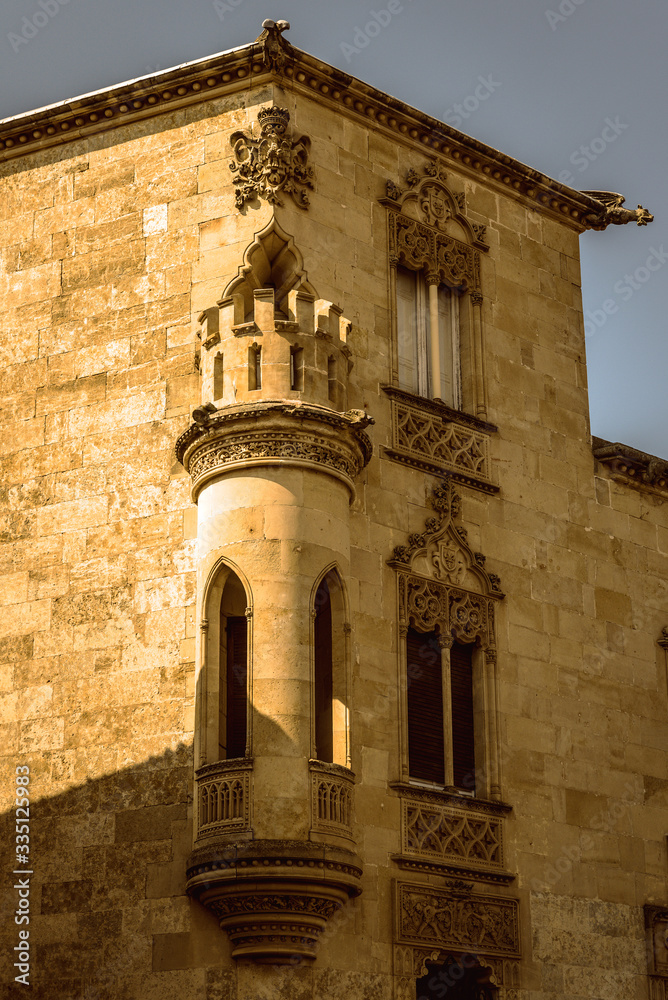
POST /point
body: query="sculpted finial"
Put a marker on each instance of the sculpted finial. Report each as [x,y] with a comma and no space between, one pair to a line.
[273,46]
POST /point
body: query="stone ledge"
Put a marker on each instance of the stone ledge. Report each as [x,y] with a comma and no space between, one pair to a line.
[633,467]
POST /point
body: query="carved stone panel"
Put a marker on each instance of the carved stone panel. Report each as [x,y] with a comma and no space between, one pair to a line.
[421,247]
[425,438]
[430,917]
[428,199]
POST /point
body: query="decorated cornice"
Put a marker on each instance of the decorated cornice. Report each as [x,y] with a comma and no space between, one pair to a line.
[628,465]
[272,59]
[274,432]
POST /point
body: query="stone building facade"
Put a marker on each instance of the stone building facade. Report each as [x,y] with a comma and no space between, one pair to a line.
[333,648]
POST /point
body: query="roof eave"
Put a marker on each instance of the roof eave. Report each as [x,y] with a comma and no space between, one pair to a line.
[270,58]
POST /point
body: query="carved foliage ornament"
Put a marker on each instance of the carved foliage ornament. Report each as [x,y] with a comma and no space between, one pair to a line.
[429,200]
[420,247]
[272,163]
[441,553]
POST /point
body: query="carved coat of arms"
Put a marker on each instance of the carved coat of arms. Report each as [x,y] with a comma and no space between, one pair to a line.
[271,164]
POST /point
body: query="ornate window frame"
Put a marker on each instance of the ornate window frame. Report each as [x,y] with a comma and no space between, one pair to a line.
[443,585]
[428,231]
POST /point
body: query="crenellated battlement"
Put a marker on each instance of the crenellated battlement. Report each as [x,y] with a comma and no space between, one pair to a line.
[270,336]
[300,352]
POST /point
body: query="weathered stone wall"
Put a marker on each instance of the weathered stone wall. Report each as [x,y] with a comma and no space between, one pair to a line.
[110,249]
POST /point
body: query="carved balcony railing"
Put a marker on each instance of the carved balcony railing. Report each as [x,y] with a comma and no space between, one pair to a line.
[460,837]
[223,798]
[431,436]
[332,799]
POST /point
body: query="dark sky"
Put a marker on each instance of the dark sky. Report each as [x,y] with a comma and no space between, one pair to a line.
[577,89]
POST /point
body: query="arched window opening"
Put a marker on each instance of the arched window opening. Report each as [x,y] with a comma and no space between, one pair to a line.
[458,978]
[322,634]
[233,671]
[330,698]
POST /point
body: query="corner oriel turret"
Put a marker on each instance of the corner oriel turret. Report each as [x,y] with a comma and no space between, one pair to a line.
[273,453]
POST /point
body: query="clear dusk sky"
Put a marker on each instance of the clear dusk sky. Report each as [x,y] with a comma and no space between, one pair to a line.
[575,88]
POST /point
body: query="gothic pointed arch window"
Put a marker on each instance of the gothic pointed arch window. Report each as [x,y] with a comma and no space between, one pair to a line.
[330,742]
[447,657]
[224,730]
[435,292]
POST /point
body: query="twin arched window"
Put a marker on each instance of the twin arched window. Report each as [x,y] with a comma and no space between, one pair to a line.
[440,696]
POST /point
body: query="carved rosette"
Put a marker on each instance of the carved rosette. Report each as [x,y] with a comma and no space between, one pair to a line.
[275,433]
[273,898]
[272,163]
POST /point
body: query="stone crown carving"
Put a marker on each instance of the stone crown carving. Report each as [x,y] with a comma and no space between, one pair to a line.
[271,164]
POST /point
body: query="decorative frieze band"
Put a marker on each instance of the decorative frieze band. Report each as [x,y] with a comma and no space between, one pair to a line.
[476,923]
[274,432]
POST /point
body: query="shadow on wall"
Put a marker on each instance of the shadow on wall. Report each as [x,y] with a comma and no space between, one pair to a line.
[109,917]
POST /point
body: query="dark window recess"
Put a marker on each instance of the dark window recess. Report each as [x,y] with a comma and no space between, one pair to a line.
[324,741]
[237,670]
[425,707]
[463,744]
[454,981]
